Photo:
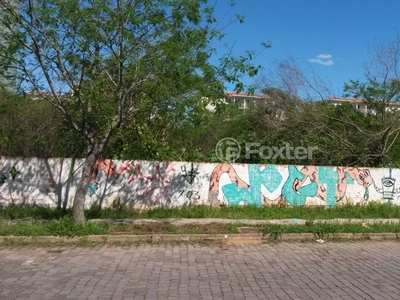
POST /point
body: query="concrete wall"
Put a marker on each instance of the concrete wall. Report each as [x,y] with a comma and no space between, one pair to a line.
[143,183]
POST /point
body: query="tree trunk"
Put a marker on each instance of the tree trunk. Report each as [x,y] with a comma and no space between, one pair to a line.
[81,191]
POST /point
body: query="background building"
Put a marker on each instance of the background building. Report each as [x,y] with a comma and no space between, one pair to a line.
[244,100]
[361,105]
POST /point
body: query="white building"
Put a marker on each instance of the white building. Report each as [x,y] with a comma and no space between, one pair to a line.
[242,100]
[245,100]
[361,104]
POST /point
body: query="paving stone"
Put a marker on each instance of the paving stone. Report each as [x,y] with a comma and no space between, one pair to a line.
[356,270]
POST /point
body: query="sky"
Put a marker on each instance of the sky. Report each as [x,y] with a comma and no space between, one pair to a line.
[332,37]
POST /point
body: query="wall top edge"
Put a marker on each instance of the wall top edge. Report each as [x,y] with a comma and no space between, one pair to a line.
[4,158]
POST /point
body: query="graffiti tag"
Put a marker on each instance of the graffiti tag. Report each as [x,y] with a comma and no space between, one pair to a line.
[14,173]
[193,195]
[189,175]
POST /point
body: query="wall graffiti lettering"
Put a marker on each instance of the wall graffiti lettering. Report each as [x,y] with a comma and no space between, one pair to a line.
[179,183]
[325,183]
[295,190]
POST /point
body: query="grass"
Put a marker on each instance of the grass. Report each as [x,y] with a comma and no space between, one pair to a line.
[63,227]
[372,210]
[67,228]
[358,211]
[26,211]
[168,228]
[36,220]
[323,228]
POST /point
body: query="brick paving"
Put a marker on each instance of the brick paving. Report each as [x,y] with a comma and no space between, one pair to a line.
[358,270]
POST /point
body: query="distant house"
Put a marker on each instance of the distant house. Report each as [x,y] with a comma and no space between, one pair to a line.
[243,100]
[40,95]
[361,105]
[35,95]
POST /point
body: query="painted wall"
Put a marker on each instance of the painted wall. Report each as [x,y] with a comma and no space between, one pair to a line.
[149,184]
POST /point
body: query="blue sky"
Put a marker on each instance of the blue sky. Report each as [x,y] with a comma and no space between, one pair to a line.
[332,36]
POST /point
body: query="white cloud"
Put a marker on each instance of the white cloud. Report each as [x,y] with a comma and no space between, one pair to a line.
[322,59]
[325,56]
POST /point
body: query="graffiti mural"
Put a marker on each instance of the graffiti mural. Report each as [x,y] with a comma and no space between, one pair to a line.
[299,186]
[55,181]
[153,184]
[102,165]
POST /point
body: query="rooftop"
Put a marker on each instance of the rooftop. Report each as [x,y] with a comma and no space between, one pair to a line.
[42,93]
[245,95]
[354,100]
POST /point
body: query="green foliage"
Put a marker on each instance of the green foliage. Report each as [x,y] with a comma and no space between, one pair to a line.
[26,211]
[358,211]
[63,227]
[323,229]
[62,224]
[137,83]
[381,92]
[37,124]
[137,74]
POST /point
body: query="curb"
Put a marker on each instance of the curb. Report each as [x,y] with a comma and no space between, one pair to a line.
[233,239]
[303,237]
[132,238]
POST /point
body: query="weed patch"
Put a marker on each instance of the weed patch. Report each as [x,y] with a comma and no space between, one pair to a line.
[63,227]
[347,211]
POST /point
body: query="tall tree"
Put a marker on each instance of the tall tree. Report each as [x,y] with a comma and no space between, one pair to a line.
[343,135]
[381,92]
[103,62]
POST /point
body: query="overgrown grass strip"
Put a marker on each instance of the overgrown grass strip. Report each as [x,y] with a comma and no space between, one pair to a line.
[360,211]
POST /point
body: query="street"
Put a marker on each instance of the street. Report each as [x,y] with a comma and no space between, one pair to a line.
[350,270]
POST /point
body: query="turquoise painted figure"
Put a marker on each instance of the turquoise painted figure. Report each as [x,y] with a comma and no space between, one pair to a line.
[105,165]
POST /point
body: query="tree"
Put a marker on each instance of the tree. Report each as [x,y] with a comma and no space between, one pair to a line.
[381,92]
[343,135]
[38,125]
[104,62]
